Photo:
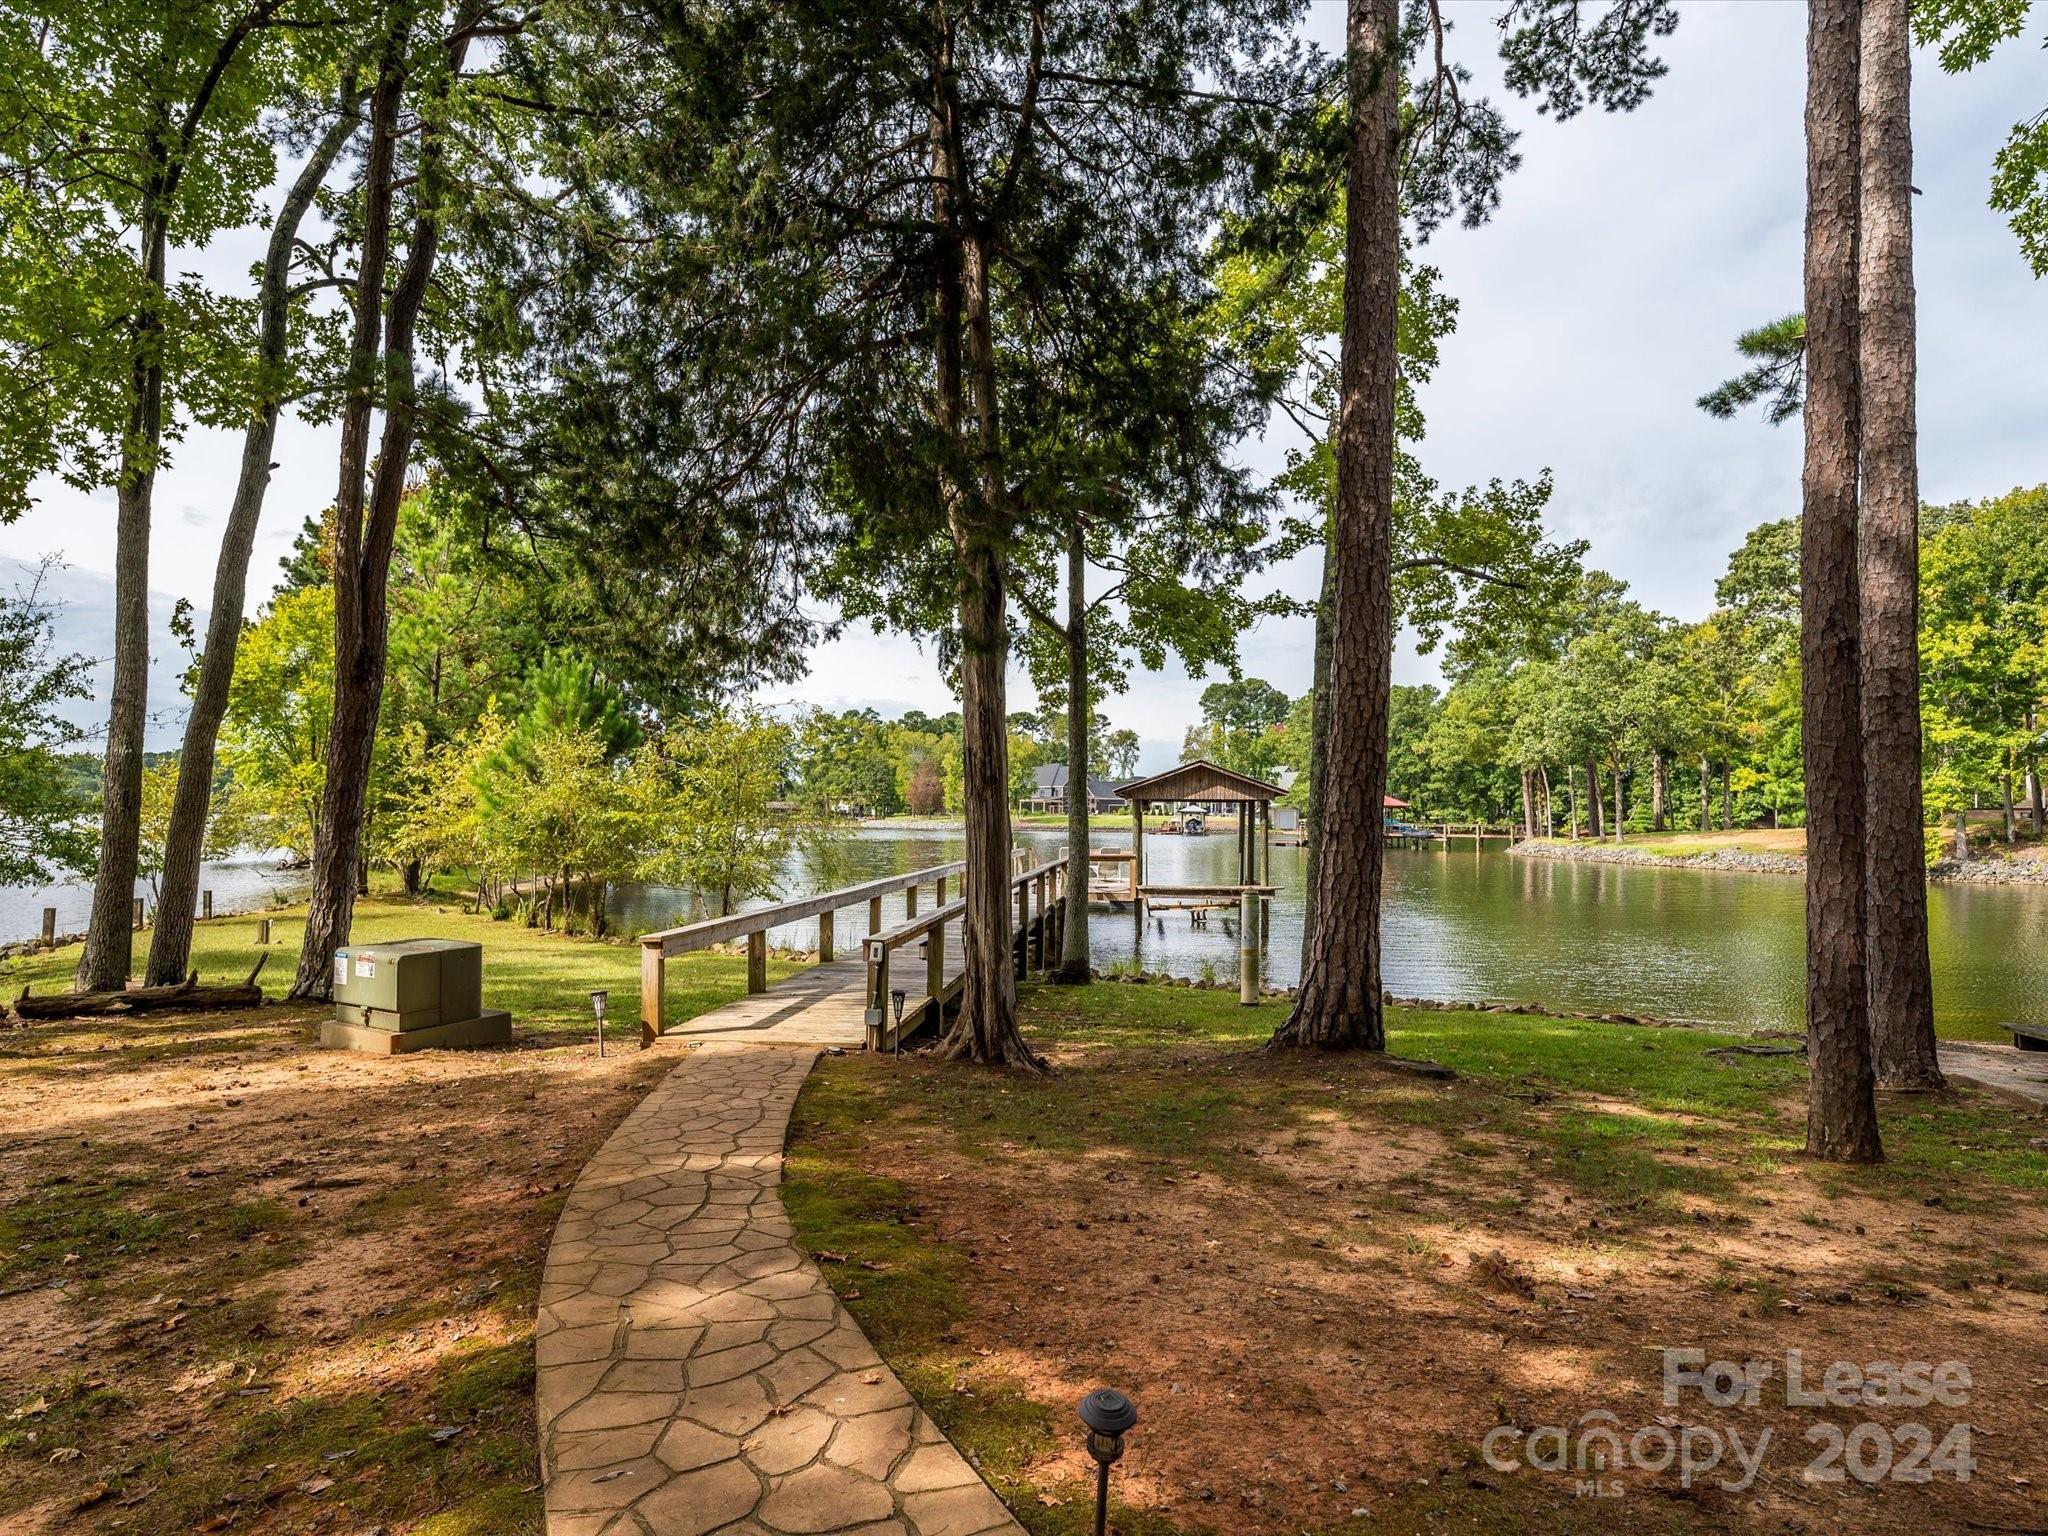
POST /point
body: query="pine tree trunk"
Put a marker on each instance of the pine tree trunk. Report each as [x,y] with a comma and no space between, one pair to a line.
[1841,1120]
[364,536]
[1660,784]
[109,935]
[170,948]
[1339,1001]
[1549,811]
[1706,795]
[1074,961]
[1596,828]
[1895,890]
[1571,794]
[1727,800]
[1528,804]
[1318,752]
[1620,813]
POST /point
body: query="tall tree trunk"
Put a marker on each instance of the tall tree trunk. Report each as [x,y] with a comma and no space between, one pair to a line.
[1706,795]
[170,947]
[1596,827]
[985,1029]
[1660,784]
[2005,789]
[1620,811]
[364,533]
[1841,1119]
[1074,960]
[1318,751]
[1549,811]
[1338,1004]
[1571,795]
[2034,786]
[1727,800]
[1528,804]
[1895,857]
[109,934]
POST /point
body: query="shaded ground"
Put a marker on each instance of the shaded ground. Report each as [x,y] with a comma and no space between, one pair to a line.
[249,1285]
[1324,1282]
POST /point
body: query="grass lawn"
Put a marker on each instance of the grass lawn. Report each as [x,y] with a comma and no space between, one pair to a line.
[544,980]
[249,1285]
[1324,1281]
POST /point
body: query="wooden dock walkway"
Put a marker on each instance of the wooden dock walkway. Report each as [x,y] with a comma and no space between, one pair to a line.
[824,1004]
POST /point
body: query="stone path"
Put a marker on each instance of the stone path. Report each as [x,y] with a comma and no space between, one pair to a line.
[1997,1066]
[696,1375]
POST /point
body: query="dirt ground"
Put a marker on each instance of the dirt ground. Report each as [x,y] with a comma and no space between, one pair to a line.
[249,1285]
[1325,1283]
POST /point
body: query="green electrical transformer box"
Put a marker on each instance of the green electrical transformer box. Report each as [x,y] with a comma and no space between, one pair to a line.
[412,995]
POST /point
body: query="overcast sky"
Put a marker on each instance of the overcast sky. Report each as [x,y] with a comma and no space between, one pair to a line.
[1595,307]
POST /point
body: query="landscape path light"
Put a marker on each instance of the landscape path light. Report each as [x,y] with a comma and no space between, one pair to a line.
[896,997]
[1109,1416]
[598,999]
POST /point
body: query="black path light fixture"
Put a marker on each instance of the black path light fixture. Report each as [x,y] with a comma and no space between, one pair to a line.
[598,999]
[896,998]
[1109,1416]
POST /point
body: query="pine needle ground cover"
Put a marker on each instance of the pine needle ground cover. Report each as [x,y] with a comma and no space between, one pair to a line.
[250,1285]
[1325,1282]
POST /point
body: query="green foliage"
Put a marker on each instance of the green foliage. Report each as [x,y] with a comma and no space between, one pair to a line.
[1983,643]
[273,740]
[706,799]
[123,129]
[40,803]
[1967,32]
[1777,377]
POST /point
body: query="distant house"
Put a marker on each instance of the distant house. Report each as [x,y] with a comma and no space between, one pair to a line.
[1049,792]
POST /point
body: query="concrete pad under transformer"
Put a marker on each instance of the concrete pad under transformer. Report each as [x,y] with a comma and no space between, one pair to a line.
[491,1027]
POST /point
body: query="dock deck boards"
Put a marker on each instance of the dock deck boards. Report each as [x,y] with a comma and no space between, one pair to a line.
[822,1005]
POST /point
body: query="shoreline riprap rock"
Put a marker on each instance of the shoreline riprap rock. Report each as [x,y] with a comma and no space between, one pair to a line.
[1996,871]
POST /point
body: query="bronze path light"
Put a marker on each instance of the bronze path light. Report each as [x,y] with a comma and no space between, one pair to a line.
[1109,1415]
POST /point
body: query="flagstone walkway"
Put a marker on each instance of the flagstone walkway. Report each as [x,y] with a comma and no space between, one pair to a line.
[696,1375]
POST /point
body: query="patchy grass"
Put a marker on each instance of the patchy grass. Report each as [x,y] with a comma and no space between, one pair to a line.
[1325,1280]
[249,1285]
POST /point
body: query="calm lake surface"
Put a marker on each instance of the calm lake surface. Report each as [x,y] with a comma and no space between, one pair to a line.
[1682,944]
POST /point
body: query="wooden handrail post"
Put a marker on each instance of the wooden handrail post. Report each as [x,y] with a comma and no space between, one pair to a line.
[939,892]
[653,988]
[824,937]
[1023,928]
[877,1018]
[910,901]
[935,975]
[874,915]
[757,960]
[1038,934]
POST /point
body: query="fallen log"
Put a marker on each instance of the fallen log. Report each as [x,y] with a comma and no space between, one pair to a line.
[186,994]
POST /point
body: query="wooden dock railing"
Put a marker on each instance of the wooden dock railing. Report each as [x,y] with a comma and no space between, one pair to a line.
[1041,913]
[657,948]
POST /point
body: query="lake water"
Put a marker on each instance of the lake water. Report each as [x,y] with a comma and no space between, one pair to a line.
[1682,944]
[1718,947]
